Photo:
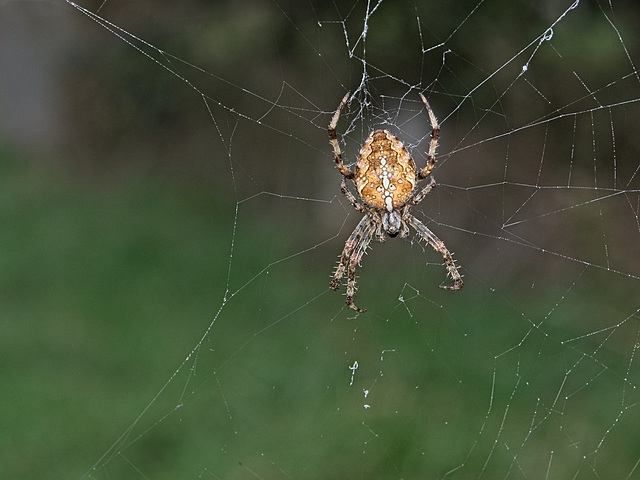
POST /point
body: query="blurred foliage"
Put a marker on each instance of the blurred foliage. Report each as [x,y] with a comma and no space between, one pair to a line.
[246,55]
[249,60]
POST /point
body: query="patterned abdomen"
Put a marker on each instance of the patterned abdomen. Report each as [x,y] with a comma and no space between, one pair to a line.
[385,173]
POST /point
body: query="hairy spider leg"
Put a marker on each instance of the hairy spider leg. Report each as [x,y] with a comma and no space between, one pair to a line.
[439,246]
[344,170]
[358,251]
[433,143]
[352,199]
[347,251]
[354,248]
[418,197]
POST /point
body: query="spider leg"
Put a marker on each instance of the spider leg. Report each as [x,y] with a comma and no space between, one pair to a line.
[356,256]
[433,144]
[337,153]
[439,246]
[354,248]
[418,197]
[352,199]
[350,244]
[379,231]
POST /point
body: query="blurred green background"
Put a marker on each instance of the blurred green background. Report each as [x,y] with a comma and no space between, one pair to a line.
[166,244]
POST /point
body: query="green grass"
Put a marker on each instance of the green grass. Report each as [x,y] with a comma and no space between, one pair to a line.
[105,290]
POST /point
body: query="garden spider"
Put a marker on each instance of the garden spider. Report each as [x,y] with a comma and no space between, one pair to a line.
[387,183]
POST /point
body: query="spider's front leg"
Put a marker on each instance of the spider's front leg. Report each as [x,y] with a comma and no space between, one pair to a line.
[433,143]
[337,153]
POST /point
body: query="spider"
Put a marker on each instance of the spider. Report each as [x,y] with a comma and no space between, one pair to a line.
[387,180]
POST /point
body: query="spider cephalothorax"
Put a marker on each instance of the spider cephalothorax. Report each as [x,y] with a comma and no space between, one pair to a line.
[387,182]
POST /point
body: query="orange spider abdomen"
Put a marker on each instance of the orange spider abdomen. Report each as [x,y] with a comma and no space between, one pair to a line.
[385,173]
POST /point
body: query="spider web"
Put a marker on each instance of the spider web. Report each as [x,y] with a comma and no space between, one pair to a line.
[530,371]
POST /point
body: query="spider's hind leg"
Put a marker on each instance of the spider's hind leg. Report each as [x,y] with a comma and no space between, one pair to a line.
[354,248]
[439,246]
[354,239]
[351,287]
